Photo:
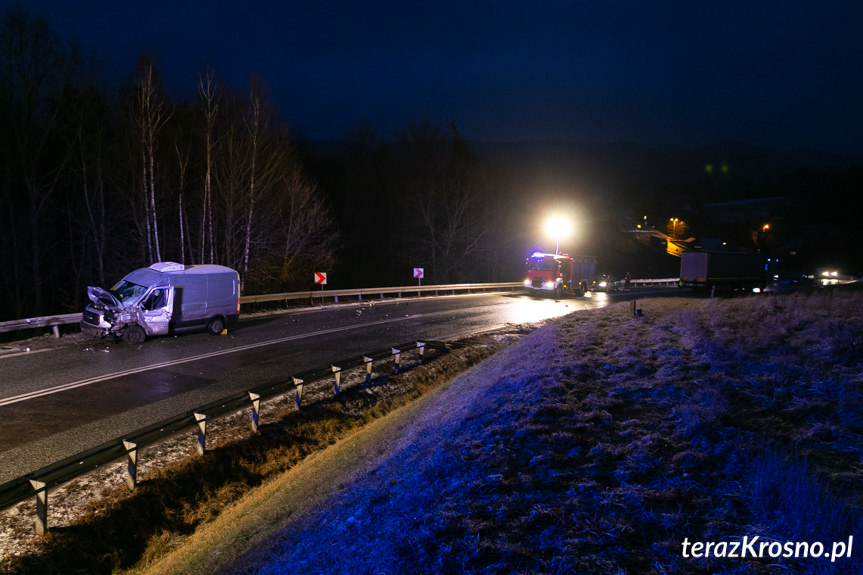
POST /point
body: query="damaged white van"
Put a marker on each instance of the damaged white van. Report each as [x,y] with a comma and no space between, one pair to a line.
[165,298]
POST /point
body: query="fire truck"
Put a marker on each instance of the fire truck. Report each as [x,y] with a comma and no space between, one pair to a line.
[559,273]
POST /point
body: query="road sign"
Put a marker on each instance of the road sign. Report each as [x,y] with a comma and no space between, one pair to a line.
[418,273]
[320,278]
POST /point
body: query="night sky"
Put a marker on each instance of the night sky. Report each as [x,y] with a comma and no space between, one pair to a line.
[787,74]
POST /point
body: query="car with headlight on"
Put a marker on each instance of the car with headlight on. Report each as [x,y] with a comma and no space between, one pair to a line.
[788,282]
[605,283]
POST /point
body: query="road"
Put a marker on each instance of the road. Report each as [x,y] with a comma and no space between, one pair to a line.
[63,400]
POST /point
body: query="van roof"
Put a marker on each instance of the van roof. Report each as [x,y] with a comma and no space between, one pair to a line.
[174,267]
[205,269]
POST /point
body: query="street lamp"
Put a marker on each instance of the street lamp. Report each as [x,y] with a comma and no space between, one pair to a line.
[558,227]
[673,227]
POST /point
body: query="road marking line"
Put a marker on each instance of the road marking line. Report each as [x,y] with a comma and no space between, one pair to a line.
[97,379]
[5,354]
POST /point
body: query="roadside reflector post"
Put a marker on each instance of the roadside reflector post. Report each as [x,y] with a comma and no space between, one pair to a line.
[201,443]
[256,410]
[368,361]
[41,506]
[131,464]
[299,385]
[337,372]
[396,359]
[422,347]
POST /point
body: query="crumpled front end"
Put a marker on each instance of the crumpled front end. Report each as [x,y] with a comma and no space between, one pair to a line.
[97,322]
[104,316]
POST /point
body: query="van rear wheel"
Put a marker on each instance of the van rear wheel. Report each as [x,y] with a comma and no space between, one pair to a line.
[216,326]
[134,335]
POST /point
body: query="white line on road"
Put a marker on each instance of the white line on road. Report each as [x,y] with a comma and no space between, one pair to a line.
[4,354]
[89,381]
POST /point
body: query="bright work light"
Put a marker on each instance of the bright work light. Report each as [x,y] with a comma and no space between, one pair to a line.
[558,227]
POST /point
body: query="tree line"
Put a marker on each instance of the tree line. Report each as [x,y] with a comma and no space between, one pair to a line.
[99,179]
[421,200]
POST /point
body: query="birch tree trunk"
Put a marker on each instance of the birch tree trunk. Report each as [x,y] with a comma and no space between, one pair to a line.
[153,113]
[183,164]
[254,126]
[210,102]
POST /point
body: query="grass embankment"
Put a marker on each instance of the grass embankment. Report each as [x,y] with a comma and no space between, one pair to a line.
[705,420]
[605,441]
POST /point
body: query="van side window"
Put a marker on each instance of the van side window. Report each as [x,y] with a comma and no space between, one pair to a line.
[157,299]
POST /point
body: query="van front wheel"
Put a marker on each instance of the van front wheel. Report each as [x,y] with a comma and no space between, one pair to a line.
[134,335]
[216,326]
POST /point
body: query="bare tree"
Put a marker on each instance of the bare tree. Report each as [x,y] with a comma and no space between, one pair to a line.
[153,111]
[88,115]
[446,193]
[34,68]
[183,153]
[256,123]
[209,99]
[306,226]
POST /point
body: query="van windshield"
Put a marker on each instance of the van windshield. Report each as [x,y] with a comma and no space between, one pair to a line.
[127,292]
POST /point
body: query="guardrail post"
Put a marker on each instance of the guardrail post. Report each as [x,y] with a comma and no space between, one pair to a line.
[396,356]
[41,506]
[201,443]
[56,329]
[368,361]
[256,410]
[337,372]
[422,347]
[131,464]
[299,384]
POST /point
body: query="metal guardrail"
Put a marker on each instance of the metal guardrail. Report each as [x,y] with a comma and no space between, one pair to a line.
[55,321]
[37,483]
[664,282]
[636,283]
[380,292]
